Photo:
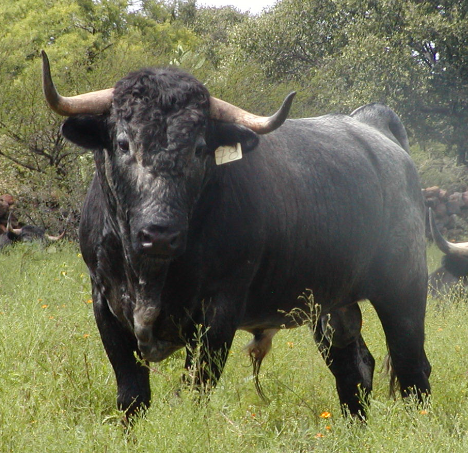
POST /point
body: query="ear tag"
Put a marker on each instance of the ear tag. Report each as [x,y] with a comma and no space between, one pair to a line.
[226,154]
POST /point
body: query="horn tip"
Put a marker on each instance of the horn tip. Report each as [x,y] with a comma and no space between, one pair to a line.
[437,237]
[48,87]
[289,99]
[45,61]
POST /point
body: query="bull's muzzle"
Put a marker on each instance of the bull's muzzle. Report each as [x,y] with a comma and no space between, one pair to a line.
[161,241]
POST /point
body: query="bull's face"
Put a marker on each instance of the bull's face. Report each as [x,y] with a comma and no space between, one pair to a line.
[154,137]
[156,159]
[155,152]
[157,177]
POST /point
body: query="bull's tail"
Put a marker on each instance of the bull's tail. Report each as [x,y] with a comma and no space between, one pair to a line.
[257,349]
[388,369]
[256,364]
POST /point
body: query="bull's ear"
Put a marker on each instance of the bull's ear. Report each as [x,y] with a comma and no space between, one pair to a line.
[87,131]
[228,134]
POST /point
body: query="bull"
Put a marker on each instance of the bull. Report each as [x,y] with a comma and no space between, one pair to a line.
[26,233]
[453,272]
[176,243]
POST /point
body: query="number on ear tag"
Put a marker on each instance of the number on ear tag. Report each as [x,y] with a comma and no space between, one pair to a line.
[226,154]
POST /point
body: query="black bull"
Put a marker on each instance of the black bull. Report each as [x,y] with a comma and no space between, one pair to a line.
[27,233]
[175,243]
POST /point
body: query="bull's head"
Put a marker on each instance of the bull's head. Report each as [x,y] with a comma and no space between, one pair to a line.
[155,134]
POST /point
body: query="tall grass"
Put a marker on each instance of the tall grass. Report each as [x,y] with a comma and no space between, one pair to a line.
[57,388]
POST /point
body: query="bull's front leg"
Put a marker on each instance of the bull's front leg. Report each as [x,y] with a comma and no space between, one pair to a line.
[133,388]
[208,347]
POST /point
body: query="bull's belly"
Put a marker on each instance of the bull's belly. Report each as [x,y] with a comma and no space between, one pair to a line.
[298,303]
[287,311]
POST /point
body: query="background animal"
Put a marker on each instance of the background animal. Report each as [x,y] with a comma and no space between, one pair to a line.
[183,252]
[26,233]
[453,271]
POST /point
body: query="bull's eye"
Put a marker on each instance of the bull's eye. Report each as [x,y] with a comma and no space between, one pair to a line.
[200,147]
[123,145]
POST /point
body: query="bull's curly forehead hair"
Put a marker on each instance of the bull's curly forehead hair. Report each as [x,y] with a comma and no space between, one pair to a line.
[165,89]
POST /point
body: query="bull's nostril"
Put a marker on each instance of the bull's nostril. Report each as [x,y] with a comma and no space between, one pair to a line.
[146,239]
[159,240]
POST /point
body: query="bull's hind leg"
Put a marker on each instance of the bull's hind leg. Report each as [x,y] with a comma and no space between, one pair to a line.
[340,342]
[133,388]
[402,317]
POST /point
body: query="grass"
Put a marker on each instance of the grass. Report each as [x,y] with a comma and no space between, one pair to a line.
[57,388]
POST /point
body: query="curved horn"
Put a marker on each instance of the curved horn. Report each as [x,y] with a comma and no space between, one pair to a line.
[223,111]
[10,229]
[92,103]
[100,101]
[55,238]
[449,248]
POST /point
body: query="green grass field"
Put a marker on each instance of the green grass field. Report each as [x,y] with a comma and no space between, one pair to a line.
[57,388]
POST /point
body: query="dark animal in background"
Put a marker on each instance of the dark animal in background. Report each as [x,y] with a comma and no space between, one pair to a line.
[453,271]
[26,233]
[175,243]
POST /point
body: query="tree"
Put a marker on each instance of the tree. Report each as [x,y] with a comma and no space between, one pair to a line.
[293,37]
[214,27]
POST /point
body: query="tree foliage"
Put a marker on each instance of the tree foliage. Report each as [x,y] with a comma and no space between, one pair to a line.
[294,37]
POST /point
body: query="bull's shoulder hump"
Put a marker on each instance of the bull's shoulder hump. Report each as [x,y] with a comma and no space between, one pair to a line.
[385,120]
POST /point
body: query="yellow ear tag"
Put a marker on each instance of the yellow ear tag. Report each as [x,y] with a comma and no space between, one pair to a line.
[226,154]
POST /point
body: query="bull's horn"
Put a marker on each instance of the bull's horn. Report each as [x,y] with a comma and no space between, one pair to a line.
[223,111]
[100,101]
[449,248]
[92,103]
[55,238]
[10,229]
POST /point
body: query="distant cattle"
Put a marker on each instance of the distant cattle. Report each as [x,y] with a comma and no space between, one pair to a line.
[453,272]
[203,219]
[26,233]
